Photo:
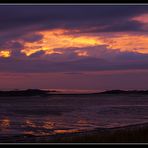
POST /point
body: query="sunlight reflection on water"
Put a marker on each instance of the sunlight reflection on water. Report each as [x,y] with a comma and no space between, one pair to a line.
[69,114]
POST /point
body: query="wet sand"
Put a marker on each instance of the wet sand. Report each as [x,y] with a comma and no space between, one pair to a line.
[128,134]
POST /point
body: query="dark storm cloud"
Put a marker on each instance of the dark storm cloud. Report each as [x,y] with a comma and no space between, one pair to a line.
[32,38]
[17,21]
[122,61]
[121,26]
[65,16]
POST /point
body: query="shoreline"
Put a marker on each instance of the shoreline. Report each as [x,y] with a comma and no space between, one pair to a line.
[137,133]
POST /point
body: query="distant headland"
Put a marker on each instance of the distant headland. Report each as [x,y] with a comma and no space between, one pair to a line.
[27,92]
[124,92]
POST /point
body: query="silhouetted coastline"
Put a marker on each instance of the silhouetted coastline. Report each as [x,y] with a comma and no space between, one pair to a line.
[39,92]
[124,92]
[28,92]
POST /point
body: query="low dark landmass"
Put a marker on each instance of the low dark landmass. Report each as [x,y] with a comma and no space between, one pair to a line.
[145,92]
[28,92]
[38,92]
[127,134]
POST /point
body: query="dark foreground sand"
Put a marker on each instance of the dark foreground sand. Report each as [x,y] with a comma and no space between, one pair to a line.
[127,134]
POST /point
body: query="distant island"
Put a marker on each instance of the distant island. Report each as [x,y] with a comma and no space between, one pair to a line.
[28,92]
[39,92]
[124,92]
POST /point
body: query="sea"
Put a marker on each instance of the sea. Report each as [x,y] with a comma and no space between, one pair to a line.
[69,113]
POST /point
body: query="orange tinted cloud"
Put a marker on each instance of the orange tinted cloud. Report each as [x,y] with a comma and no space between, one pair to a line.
[58,39]
[141,18]
[128,42]
[81,53]
[5,53]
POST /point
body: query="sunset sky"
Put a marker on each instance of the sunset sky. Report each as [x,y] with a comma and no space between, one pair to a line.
[97,47]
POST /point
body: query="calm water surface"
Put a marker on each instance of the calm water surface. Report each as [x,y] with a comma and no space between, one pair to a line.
[69,113]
